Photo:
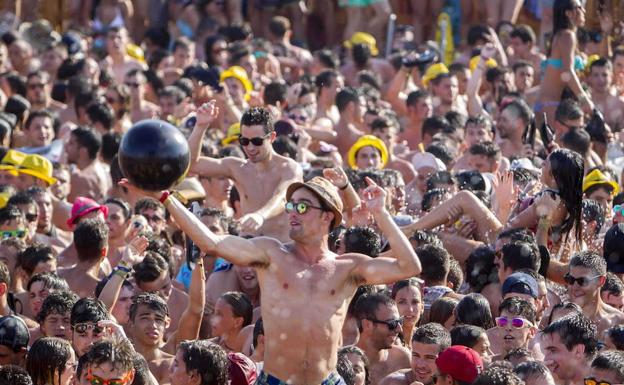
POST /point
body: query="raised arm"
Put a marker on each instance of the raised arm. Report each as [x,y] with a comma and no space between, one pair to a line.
[386,270]
[338,178]
[237,250]
[567,43]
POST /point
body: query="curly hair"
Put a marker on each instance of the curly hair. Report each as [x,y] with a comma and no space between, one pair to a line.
[208,359]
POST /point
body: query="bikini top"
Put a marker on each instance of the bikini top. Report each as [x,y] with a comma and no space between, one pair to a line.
[579,64]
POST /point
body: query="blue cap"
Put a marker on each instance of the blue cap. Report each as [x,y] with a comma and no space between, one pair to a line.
[520,283]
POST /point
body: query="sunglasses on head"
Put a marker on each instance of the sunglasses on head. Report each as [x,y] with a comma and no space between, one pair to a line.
[95,380]
[300,207]
[593,381]
[517,323]
[618,209]
[392,324]
[581,281]
[256,141]
[12,234]
[82,328]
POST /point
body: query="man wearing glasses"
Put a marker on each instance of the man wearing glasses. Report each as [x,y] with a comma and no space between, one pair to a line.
[586,275]
[84,319]
[379,324]
[516,324]
[606,369]
[109,362]
[261,179]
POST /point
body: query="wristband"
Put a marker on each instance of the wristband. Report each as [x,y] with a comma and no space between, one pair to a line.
[164,196]
[123,274]
[123,268]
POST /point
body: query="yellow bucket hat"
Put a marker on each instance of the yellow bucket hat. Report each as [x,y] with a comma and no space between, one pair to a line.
[239,74]
[433,72]
[597,177]
[135,52]
[233,132]
[4,199]
[490,63]
[368,140]
[11,161]
[39,167]
[363,38]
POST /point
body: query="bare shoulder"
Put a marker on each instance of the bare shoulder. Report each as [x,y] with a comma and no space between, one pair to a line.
[398,351]
[400,377]
[287,162]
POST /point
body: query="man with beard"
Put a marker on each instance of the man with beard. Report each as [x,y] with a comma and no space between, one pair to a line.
[305,288]
[513,118]
[600,81]
[379,324]
[427,342]
[261,180]
[586,275]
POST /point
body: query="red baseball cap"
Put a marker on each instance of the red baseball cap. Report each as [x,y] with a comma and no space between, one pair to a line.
[83,206]
[242,370]
[460,362]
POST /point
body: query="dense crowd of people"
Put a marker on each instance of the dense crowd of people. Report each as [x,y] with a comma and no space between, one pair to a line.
[371,200]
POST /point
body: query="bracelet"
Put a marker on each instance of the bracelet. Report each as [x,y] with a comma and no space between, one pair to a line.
[164,196]
[123,274]
[123,268]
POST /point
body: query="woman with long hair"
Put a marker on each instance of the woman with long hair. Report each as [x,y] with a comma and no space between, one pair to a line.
[233,311]
[51,361]
[474,309]
[559,70]
[406,293]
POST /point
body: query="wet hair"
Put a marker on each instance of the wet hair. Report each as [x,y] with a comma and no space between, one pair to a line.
[352,349]
[325,79]
[480,268]
[102,113]
[207,359]
[119,353]
[561,21]
[240,304]
[90,239]
[466,335]
[591,260]
[442,309]
[423,237]
[368,304]
[328,58]
[88,310]
[593,212]
[521,255]
[519,307]
[110,145]
[11,213]
[150,300]
[568,170]
[474,309]
[359,292]
[414,96]
[47,358]
[434,125]
[566,305]
[520,110]
[455,274]
[125,207]
[151,268]
[616,333]
[22,198]
[363,240]
[275,92]
[611,361]
[577,140]
[495,375]
[142,375]
[147,204]
[50,281]
[258,116]
[5,275]
[14,375]
[575,329]
[613,284]
[58,302]
[33,255]
[38,114]
[518,354]
[568,109]
[345,369]
[432,334]
[440,151]
[488,149]
[258,331]
[435,263]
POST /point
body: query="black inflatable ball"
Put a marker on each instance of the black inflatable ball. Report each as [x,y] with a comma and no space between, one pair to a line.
[154,155]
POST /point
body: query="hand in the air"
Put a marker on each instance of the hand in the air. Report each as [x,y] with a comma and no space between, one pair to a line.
[206,114]
[375,197]
[336,176]
[133,253]
[251,222]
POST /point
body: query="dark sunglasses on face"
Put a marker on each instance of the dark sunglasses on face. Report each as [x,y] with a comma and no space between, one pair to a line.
[593,381]
[12,234]
[392,324]
[256,141]
[581,281]
[82,328]
[517,323]
[300,207]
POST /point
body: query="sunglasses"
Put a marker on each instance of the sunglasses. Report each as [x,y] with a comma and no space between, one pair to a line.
[12,234]
[256,141]
[95,380]
[300,207]
[581,281]
[31,217]
[517,323]
[618,209]
[392,324]
[82,328]
[593,381]
[133,85]
[298,118]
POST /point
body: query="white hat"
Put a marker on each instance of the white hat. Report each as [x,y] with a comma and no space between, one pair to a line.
[427,159]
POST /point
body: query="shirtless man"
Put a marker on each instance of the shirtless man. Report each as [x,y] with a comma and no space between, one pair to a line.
[586,275]
[349,127]
[600,81]
[139,107]
[39,92]
[418,108]
[90,179]
[328,83]
[305,288]
[118,61]
[261,180]
[91,243]
[379,324]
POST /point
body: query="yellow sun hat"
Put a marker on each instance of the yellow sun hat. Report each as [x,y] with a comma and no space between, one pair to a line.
[363,38]
[135,52]
[597,177]
[239,74]
[490,63]
[39,167]
[233,132]
[433,72]
[11,161]
[368,140]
